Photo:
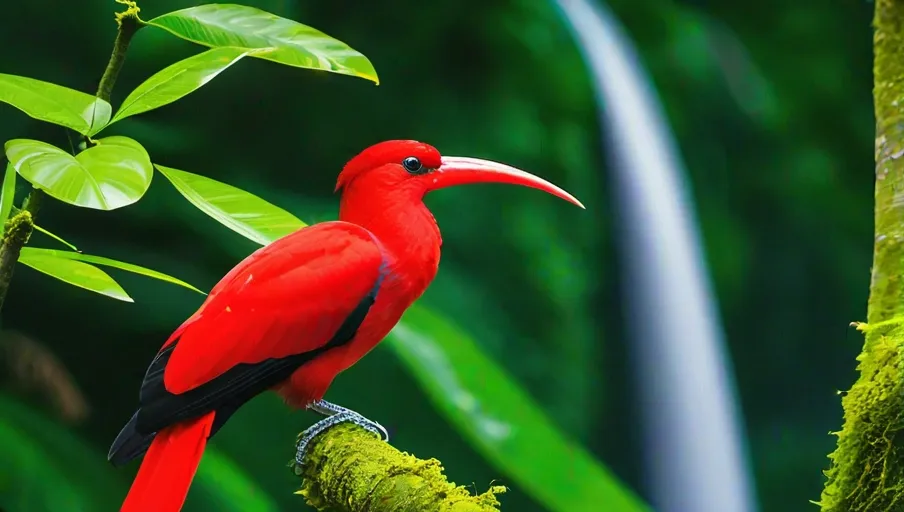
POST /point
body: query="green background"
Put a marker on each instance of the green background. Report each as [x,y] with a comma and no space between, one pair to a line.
[769,101]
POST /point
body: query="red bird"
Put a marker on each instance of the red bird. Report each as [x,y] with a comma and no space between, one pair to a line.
[296,313]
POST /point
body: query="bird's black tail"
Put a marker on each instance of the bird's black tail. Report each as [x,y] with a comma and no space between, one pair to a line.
[129,444]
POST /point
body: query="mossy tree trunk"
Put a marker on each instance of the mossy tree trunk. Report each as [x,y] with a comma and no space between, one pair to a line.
[867,467]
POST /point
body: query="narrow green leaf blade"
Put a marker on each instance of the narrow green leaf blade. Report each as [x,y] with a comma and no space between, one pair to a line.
[115,173]
[73,272]
[55,237]
[223,485]
[178,80]
[240,211]
[39,455]
[26,466]
[7,194]
[100,260]
[501,421]
[54,103]
[293,44]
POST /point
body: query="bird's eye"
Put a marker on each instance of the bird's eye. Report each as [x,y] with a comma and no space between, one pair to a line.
[413,165]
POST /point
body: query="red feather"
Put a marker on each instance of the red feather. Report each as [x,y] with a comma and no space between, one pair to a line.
[286,298]
[168,467]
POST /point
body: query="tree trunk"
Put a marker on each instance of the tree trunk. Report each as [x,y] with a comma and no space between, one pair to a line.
[867,467]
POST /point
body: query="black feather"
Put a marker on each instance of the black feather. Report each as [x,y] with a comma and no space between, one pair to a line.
[158,408]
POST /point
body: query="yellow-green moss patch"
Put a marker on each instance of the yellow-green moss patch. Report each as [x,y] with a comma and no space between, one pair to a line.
[348,469]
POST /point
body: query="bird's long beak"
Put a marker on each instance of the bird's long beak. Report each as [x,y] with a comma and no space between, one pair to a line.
[460,170]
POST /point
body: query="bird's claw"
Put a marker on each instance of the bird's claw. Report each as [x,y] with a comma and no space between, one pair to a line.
[335,415]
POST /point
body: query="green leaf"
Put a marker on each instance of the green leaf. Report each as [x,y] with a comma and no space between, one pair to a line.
[54,103]
[26,465]
[39,457]
[7,194]
[58,239]
[222,485]
[73,272]
[178,80]
[100,260]
[114,173]
[291,43]
[240,211]
[500,419]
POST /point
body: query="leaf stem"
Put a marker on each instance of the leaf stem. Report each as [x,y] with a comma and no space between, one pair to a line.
[129,23]
[20,226]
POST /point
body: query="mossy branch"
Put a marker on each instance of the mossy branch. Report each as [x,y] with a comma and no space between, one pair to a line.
[348,469]
[16,233]
[867,466]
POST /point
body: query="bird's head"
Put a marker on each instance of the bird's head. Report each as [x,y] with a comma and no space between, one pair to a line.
[412,168]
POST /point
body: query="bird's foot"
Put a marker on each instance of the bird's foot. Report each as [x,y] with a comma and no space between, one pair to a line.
[334,415]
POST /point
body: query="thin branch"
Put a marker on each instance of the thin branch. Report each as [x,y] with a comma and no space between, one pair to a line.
[20,226]
[348,469]
[129,24]
[867,471]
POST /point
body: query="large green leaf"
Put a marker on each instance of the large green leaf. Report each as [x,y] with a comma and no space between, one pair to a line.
[7,194]
[74,272]
[502,421]
[178,80]
[100,260]
[292,43]
[25,466]
[114,173]
[240,211]
[46,468]
[220,484]
[54,103]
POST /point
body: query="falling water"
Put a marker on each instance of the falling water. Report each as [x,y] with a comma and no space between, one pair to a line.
[695,457]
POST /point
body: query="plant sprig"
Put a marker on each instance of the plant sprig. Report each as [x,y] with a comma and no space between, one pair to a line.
[115,171]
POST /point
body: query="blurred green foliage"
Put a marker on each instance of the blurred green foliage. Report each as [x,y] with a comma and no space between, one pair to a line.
[770,103]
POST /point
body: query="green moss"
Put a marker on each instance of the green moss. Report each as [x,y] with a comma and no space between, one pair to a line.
[131,12]
[18,229]
[16,233]
[867,472]
[349,469]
